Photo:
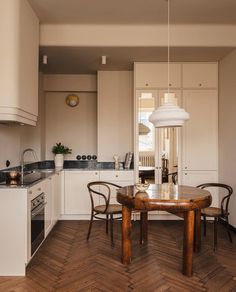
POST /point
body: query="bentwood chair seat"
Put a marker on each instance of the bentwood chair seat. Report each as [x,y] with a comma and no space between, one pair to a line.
[213,212]
[111,209]
[219,214]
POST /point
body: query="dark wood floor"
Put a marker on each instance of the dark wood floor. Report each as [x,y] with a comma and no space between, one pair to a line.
[66,262]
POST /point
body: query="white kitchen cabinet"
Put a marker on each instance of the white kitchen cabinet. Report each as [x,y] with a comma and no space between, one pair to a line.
[118,177]
[56,197]
[155,75]
[114,121]
[19,32]
[48,206]
[200,133]
[77,200]
[195,178]
[200,75]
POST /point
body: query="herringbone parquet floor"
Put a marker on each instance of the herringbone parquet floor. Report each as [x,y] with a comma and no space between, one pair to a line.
[66,262]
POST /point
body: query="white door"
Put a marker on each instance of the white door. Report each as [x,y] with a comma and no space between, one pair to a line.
[195,178]
[200,133]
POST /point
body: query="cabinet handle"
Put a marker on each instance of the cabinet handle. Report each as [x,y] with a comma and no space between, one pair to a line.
[30,192]
[170,84]
[146,84]
[39,189]
[186,167]
[200,84]
[96,173]
[50,178]
[185,173]
[117,175]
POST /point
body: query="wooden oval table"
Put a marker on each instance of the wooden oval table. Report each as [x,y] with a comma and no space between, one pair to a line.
[183,201]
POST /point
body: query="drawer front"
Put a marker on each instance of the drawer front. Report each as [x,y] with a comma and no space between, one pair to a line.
[114,176]
[36,190]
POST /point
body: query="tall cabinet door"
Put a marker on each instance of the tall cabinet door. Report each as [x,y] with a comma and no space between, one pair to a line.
[200,133]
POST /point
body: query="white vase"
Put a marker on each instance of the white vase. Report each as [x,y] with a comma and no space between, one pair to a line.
[59,160]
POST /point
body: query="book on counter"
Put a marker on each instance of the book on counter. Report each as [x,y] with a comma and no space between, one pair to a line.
[128,160]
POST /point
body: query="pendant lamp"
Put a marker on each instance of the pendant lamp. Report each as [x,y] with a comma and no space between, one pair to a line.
[143,129]
[169,114]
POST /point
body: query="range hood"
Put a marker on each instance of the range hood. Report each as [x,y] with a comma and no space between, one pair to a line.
[14,116]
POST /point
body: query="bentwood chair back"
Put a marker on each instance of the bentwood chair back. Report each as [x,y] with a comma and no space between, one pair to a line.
[219,214]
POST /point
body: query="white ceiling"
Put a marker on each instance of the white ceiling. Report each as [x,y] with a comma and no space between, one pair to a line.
[78,60]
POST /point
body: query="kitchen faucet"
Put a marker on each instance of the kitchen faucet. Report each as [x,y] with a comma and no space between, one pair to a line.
[22,157]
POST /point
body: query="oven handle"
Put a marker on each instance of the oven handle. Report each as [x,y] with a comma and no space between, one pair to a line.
[39,209]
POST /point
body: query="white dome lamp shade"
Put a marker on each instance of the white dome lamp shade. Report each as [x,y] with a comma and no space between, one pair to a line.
[169,114]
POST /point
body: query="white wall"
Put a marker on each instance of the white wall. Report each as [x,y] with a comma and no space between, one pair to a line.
[227,122]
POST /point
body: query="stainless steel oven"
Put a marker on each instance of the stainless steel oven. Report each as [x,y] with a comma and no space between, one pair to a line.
[37,221]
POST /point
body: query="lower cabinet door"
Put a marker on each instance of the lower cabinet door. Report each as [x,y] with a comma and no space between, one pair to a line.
[120,178]
[56,197]
[48,206]
[77,199]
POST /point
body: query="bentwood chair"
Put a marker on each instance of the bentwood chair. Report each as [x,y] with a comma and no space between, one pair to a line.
[221,213]
[100,191]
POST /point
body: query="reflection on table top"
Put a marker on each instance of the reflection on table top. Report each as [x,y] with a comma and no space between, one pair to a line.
[165,193]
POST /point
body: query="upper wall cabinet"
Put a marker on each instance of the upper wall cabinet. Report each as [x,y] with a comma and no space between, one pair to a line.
[19,33]
[200,75]
[155,75]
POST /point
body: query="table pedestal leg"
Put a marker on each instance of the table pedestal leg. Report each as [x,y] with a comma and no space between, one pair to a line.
[126,232]
[143,227]
[197,231]
[188,243]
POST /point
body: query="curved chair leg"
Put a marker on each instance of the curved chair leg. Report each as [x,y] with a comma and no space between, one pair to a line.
[90,226]
[107,219]
[204,225]
[215,233]
[111,228]
[228,231]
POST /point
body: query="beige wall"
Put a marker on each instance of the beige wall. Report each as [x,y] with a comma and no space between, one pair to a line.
[9,145]
[227,122]
[76,127]
[34,137]
[14,139]
[76,35]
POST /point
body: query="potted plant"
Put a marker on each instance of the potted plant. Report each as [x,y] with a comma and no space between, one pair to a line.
[60,150]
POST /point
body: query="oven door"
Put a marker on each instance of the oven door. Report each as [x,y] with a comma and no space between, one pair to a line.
[37,226]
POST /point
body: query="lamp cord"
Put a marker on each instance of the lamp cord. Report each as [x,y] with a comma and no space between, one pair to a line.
[168,47]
